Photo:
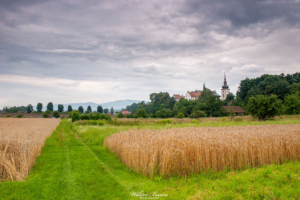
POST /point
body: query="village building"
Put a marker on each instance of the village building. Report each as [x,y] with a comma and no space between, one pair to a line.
[178,97]
[237,110]
[125,112]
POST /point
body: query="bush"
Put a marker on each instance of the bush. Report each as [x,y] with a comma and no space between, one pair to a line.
[19,116]
[75,116]
[263,107]
[45,115]
[90,122]
[8,116]
[141,113]
[180,115]
[56,114]
[130,116]
[198,114]
[224,119]
[163,113]
[194,121]
[120,115]
[165,121]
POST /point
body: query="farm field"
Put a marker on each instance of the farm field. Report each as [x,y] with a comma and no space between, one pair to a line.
[74,164]
[21,141]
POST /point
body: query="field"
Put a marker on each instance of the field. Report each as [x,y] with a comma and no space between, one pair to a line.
[184,151]
[74,164]
[21,141]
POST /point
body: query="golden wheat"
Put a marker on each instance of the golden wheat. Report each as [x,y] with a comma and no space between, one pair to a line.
[184,151]
[21,141]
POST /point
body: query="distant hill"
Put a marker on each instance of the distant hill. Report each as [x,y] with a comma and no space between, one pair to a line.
[117,105]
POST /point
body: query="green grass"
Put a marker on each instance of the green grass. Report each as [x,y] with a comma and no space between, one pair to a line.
[81,168]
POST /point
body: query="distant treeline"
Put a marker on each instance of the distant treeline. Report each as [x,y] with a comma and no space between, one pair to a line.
[285,87]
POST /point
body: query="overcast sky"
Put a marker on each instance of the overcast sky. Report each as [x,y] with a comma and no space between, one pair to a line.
[68,51]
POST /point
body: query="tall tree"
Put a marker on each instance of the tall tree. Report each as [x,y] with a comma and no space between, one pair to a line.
[89,108]
[39,107]
[99,109]
[60,108]
[106,110]
[70,109]
[112,110]
[29,108]
[263,107]
[80,109]
[50,106]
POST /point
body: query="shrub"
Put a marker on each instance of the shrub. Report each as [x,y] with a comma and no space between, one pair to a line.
[165,121]
[75,116]
[224,119]
[8,116]
[151,115]
[120,115]
[45,115]
[141,113]
[130,116]
[163,113]
[194,121]
[180,115]
[19,116]
[198,114]
[90,122]
[56,114]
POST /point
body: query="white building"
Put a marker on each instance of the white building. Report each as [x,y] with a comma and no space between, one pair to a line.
[225,89]
[178,97]
[193,95]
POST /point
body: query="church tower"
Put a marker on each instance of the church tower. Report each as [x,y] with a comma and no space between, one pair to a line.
[225,89]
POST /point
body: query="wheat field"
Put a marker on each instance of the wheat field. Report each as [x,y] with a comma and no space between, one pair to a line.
[21,142]
[184,151]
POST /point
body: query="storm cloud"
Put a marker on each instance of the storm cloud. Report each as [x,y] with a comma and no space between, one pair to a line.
[81,51]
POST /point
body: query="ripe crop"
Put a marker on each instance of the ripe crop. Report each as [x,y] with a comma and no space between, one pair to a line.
[21,141]
[184,151]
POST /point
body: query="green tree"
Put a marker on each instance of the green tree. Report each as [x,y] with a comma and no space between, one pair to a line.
[175,110]
[141,113]
[80,109]
[70,109]
[230,97]
[89,108]
[50,106]
[56,114]
[29,108]
[106,111]
[264,107]
[292,104]
[180,115]
[294,88]
[99,109]
[112,110]
[39,107]
[214,106]
[164,113]
[60,108]
[120,115]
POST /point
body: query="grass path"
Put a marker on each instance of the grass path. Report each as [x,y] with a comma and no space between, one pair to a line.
[73,168]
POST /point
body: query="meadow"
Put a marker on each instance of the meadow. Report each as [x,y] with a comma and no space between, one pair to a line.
[74,164]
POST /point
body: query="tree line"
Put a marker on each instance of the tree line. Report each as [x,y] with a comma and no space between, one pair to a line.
[279,93]
[60,108]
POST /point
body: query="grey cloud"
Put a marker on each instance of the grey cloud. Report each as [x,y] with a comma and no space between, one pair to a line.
[147,46]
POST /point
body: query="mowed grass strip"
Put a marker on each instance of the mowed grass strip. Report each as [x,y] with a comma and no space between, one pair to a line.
[21,141]
[185,151]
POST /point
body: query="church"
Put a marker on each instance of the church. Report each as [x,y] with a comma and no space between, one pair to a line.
[194,95]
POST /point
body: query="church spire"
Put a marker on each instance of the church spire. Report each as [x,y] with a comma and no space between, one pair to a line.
[225,86]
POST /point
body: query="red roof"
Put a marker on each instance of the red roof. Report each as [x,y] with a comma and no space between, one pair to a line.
[195,94]
[177,96]
[125,112]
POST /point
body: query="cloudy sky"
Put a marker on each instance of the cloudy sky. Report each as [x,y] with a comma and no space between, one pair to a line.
[68,51]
